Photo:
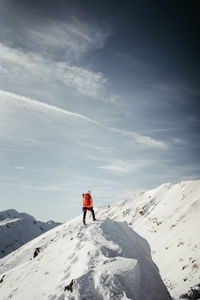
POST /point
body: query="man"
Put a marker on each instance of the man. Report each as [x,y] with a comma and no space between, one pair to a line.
[87,205]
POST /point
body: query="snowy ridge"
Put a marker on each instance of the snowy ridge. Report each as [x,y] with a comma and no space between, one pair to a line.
[109,258]
[106,259]
[169,218]
[16,229]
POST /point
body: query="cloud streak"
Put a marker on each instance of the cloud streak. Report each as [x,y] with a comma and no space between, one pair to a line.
[28,103]
[126,166]
[95,147]
[144,141]
[20,101]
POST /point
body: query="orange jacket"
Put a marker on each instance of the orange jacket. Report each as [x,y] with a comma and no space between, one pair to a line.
[87,200]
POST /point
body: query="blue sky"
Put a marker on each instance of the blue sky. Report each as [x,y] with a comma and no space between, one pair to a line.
[96,96]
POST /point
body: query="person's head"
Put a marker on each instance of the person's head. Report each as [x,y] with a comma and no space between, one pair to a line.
[89,192]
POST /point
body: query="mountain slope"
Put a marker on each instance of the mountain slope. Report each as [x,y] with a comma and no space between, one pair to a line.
[107,260]
[169,218]
[16,229]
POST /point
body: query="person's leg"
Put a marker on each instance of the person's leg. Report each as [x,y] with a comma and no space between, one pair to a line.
[84,214]
[93,215]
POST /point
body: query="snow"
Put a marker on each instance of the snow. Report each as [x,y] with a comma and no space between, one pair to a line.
[106,259]
[16,229]
[169,218]
[111,259]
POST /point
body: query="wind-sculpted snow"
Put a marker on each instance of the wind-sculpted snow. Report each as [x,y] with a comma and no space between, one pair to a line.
[103,260]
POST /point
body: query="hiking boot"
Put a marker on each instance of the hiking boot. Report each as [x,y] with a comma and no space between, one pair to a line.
[84,222]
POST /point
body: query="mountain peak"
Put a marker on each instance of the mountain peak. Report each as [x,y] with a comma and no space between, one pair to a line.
[16,229]
[13,214]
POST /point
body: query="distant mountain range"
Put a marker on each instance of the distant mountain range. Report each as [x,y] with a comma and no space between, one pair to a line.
[16,229]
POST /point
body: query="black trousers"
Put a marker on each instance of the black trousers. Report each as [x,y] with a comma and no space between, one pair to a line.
[85,211]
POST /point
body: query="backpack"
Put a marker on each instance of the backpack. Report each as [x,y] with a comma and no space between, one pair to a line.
[87,199]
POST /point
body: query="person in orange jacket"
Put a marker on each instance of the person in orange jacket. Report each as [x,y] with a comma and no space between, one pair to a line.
[87,205]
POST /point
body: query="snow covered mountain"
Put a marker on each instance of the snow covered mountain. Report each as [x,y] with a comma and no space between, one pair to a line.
[104,260]
[107,260]
[169,218]
[16,229]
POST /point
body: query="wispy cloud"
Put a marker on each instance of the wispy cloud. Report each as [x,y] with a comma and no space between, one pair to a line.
[20,101]
[83,80]
[95,147]
[37,187]
[16,64]
[46,188]
[73,37]
[177,141]
[36,105]
[126,166]
[147,141]
[18,139]
[144,141]
[19,168]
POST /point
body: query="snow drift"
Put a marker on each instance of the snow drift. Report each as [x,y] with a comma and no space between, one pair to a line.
[103,260]
[16,229]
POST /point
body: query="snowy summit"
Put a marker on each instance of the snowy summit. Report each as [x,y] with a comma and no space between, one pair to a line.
[102,260]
